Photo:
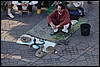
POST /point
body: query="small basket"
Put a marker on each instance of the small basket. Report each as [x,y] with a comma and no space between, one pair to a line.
[50,49]
[25,39]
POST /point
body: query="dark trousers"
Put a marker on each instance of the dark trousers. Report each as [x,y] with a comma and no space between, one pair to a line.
[46,4]
[39,5]
[50,3]
[29,8]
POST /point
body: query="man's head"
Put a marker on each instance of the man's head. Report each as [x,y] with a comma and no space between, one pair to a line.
[61,7]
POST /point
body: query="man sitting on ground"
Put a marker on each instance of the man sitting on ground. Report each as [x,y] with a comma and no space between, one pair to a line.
[59,19]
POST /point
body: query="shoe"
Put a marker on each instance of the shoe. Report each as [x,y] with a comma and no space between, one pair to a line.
[10,15]
[38,11]
[29,14]
[65,30]
[20,13]
[53,33]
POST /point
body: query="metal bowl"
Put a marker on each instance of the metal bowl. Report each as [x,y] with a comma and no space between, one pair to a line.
[25,39]
[50,49]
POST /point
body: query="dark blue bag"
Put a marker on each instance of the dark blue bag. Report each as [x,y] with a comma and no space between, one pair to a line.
[74,14]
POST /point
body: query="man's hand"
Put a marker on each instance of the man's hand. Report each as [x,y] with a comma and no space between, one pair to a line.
[52,25]
[58,26]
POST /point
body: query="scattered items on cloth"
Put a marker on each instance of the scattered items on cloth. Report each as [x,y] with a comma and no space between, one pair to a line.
[29,40]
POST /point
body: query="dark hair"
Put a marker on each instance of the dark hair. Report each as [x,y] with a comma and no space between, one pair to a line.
[62,6]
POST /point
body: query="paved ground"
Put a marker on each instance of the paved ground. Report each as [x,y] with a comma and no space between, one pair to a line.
[81,50]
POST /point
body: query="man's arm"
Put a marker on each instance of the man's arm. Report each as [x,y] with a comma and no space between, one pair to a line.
[52,15]
[49,19]
[66,20]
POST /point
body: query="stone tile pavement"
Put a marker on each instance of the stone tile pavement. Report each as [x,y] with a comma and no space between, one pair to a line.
[81,50]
